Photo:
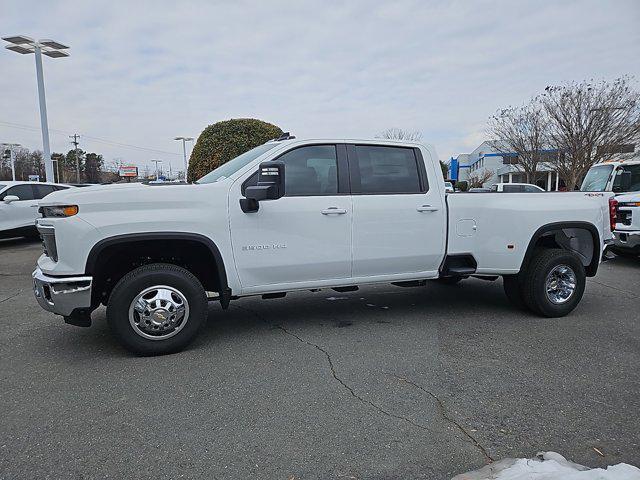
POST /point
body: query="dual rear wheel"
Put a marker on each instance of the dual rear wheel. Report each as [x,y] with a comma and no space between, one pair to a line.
[551,285]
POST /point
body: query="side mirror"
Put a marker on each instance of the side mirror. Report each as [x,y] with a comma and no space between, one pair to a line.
[11,198]
[270,186]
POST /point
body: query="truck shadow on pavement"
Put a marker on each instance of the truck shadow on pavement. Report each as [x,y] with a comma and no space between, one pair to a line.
[376,307]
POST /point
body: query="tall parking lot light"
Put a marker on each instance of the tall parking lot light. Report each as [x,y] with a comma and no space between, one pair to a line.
[184,153]
[25,45]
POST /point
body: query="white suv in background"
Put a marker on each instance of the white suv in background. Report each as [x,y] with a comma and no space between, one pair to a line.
[19,206]
[516,188]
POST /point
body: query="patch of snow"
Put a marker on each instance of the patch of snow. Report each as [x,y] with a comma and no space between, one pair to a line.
[332,299]
[549,466]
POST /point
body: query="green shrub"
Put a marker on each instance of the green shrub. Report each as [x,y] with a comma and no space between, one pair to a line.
[223,141]
[462,186]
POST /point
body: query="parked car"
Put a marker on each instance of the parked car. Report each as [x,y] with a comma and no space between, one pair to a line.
[627,232]
[448,187]
[19,206]
[516,188]
[303,215]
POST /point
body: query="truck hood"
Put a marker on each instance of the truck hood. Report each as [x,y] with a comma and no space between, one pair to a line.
[628,197]
[104,203]
[129,191]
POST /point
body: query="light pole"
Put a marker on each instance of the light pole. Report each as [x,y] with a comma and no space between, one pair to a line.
[50,48]
[11,146]
[184,152]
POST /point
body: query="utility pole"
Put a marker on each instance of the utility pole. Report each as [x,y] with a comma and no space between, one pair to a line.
[184,153]
[75,137]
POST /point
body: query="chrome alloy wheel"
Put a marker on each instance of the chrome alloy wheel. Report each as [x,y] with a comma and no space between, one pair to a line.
[560,284]
[158,312]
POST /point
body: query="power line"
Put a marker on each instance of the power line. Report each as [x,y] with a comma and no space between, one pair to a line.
[96,139]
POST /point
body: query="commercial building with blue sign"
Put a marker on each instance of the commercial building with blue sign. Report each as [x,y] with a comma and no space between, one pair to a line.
[502,166]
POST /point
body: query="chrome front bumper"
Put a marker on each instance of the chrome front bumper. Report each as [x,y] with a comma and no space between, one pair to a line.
[61,295]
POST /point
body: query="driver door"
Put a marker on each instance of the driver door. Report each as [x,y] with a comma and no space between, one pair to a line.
[303,238]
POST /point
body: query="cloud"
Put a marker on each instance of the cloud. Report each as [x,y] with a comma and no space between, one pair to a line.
[141,73]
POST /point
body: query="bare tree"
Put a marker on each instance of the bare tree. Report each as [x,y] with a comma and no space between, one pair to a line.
[400,134]
[478,179]
[522,133]
[590,122]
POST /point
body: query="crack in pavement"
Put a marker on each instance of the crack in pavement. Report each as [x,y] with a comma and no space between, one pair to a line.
[11,296]
[633,294]
[446,416]
[364,401]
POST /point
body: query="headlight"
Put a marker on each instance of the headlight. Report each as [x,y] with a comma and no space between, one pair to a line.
[59,211]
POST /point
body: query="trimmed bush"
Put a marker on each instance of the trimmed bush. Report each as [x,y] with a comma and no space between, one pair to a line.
[223,141]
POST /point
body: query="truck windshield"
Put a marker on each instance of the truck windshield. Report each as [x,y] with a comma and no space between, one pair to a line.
[597,179]
[635,178]
[232,166]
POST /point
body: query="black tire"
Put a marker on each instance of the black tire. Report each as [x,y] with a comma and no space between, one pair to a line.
[512,285]
[145,277]
[534,280]
[448,280]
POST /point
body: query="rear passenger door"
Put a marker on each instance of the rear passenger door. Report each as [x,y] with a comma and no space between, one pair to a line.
[398,215]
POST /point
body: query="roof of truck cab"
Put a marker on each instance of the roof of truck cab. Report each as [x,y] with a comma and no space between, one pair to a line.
[379,141]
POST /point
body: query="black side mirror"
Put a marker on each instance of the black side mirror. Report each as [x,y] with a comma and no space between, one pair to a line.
[270,186]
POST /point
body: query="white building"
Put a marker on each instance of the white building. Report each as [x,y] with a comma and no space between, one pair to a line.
[502,166]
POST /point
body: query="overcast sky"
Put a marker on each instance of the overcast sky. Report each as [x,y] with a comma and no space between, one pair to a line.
[141,73]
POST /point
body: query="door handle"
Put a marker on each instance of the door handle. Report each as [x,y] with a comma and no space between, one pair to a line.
[427,208]
[334,211]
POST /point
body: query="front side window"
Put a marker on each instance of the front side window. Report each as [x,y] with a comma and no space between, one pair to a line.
[311,170]
[23,192]
[388,170]
[634,185]
[531,189]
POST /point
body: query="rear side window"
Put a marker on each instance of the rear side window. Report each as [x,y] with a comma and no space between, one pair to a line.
[382,169]
[43,190]
[531,189]
[512,188]
[23,192]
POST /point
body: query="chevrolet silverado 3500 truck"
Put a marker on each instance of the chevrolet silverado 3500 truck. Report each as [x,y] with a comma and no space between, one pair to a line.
[303,214]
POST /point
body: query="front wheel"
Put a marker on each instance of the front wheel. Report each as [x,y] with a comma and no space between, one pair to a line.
[554,282]
[157,309]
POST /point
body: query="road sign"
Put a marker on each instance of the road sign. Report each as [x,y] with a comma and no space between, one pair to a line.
[128,171]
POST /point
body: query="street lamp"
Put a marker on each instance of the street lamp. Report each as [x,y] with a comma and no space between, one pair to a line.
[11,146]
[50,48]
[184,152]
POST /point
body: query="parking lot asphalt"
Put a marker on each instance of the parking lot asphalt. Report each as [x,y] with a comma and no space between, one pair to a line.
[382,383]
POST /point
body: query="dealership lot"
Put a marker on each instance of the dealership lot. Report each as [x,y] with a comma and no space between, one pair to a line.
[380,383]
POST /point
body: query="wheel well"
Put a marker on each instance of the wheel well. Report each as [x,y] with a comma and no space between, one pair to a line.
[109,261]
[580,238]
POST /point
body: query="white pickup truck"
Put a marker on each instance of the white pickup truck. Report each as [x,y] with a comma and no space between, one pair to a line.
[304,214]
[621,177]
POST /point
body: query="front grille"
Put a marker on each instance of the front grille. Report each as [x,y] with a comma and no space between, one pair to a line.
[48,236]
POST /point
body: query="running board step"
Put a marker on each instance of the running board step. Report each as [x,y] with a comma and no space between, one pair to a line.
[350,288]
[267,296]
